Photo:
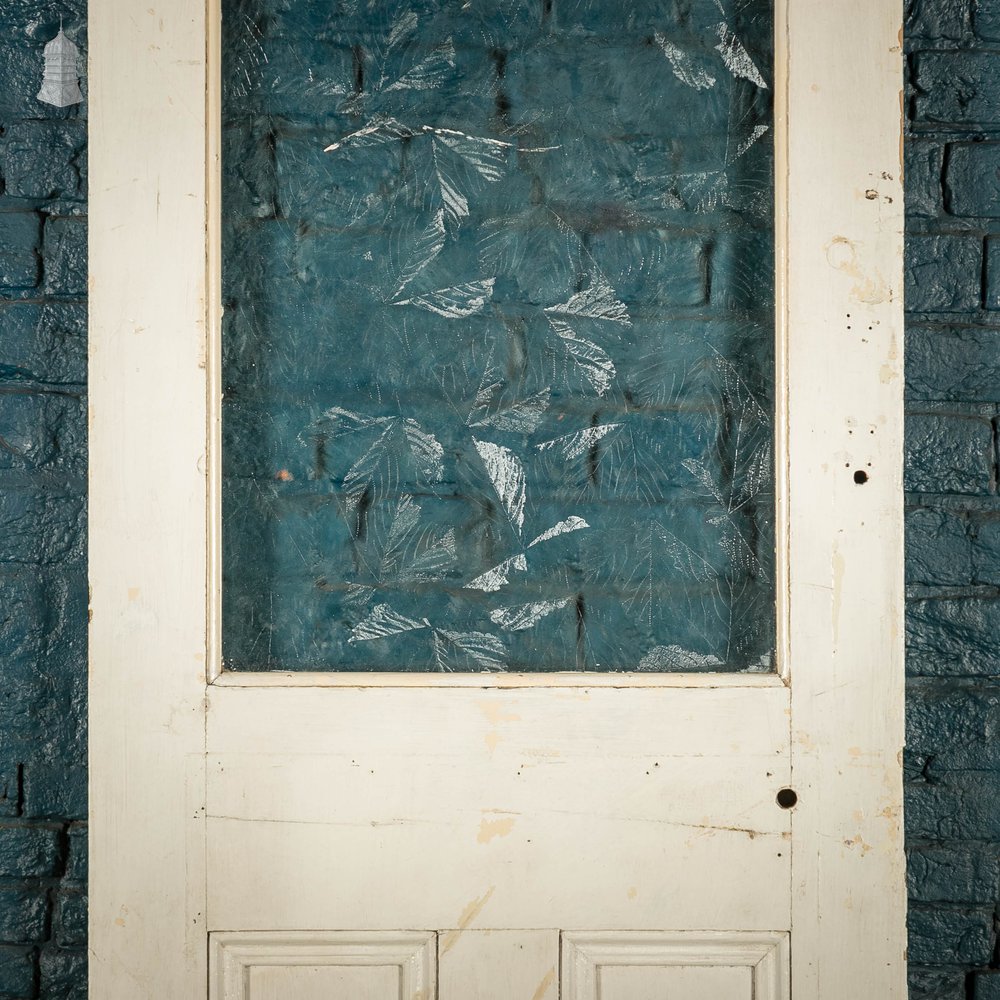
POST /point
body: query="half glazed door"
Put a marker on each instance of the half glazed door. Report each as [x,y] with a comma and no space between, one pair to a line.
[491,818]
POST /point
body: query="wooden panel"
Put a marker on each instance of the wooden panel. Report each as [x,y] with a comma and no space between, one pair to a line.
[633,965]
[845,393]
[332,965]
[617,982]
[498,965]
[317,983]
[147,542]
[495,809]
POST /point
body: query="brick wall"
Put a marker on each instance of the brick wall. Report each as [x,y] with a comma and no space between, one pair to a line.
[43,593]
[953,511]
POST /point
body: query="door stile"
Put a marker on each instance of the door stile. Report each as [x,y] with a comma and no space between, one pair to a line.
[147,542]
[845,389]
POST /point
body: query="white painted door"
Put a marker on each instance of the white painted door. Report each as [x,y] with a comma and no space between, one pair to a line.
[628,837]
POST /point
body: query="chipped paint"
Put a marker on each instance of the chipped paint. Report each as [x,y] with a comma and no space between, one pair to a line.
[492,828]
[450,938]
[547,983]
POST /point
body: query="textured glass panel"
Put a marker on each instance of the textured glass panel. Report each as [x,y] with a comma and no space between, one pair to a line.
[498,336]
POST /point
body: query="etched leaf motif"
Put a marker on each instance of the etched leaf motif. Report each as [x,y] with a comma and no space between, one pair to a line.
[377,132]
[507,475]
[452,648]
[573,523]
[426,248]
[425,448]
[684,67]
[758,132]
[430,72]
[519,416]
[668,658]
[597,301]
[488,157]
[384,622]
[736,57]
[439,554]
[456,205]
[593,361]
[403,29]
[456,302]
[523,616]
[410,553]
[493,579]
[376,473]
[575,444]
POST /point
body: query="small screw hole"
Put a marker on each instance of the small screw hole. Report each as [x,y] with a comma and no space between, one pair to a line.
[786,798]
[861,477]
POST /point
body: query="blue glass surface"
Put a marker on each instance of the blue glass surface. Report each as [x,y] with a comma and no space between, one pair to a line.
[498,336]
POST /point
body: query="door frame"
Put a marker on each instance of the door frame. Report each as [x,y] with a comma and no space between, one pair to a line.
[154,497]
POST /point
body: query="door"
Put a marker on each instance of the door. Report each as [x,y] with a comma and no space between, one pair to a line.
[624,835]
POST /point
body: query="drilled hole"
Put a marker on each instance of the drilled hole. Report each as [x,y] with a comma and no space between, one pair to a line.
[861,477]
[786,798]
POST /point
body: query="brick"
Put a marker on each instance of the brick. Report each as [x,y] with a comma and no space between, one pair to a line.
[935,984]
[44,342]
[986,20]
[23,915]
[941,935]
[986,550]
[57,791]
[991,290]
[42,160]
[953,637]
[20,66]
[65,257]
[76,860]
[924,166]
[938,548]
[956,727]
[42,430]
[972,179]
[952,363]
[958,88]
[937,20]
[17,972]
[953,874]
[10,787]
[986,986]
[943,273]
[957,805]
[948,453]
[20,247]
[71,919]
[63,974]
[28,851]
[41,525]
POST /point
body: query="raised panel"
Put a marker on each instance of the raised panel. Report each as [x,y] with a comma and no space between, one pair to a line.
[655,965]
[332,965]
[681,982]
[323,983]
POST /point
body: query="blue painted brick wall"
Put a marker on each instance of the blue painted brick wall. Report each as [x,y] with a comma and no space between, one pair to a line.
[43,457]
[953,508]
[953,547]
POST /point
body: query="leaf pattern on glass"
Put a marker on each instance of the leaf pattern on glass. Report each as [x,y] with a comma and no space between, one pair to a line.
[533,279]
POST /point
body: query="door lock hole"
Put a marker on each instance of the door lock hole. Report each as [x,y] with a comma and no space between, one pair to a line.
[786,798]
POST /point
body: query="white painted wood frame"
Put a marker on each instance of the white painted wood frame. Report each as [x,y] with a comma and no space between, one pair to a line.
[166,727]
